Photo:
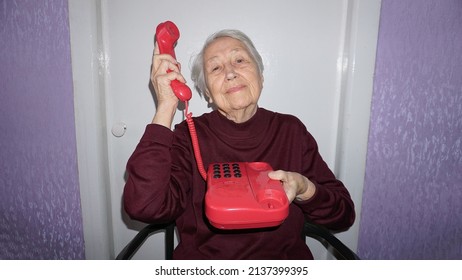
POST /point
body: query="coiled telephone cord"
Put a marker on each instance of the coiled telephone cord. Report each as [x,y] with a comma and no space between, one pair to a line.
[195,142]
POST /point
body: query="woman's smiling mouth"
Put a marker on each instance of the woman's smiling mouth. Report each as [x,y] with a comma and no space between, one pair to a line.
[235,89]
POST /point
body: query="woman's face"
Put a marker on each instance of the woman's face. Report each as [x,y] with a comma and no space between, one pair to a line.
[233,81]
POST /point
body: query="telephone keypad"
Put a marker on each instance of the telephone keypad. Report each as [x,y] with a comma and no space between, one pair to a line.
[226,170]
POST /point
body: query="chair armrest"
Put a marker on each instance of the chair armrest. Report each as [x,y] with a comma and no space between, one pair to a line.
[315,231]
[322,234]
[132,247]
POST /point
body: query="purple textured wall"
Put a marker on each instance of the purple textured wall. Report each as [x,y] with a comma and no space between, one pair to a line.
[412,201]
[40,215]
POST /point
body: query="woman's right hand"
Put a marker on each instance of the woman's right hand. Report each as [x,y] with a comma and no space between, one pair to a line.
[167,102]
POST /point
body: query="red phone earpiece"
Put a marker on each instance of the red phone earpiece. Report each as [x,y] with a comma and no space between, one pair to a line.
[167,34]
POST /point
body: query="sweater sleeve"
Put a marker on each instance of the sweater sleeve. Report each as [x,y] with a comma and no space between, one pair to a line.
[331,204]
[154,192]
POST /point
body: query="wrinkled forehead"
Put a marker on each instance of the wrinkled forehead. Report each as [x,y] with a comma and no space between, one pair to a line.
[222,46]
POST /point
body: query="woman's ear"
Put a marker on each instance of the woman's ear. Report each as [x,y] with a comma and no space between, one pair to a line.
[208,97]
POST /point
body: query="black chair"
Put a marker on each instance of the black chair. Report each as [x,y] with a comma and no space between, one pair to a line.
[332,243]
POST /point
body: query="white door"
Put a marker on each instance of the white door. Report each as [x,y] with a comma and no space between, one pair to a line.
[318,57]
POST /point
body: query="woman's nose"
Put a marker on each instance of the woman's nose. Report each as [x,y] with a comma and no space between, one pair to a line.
[230,73]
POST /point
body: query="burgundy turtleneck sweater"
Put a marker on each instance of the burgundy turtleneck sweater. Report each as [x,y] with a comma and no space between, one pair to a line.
[164,184]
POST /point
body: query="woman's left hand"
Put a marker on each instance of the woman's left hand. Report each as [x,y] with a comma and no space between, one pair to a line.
[295,184]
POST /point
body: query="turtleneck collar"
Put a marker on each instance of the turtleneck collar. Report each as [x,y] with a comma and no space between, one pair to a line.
[252,128]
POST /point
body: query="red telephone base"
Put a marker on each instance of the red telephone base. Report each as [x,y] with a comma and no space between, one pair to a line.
[240,195]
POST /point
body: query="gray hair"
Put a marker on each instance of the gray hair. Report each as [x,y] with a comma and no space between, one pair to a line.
[197,69]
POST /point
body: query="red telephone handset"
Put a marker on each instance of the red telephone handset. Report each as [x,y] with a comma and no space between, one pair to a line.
[240,195]
[167,34]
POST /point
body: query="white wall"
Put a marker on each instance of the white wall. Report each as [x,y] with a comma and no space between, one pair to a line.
[318,58]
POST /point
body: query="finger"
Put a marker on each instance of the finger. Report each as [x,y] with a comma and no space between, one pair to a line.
[168,67]
[164,80]
[175,76]
[157,57]
[277,175]
[156,49]
[155,53]
[283,177]
[164,67]
[164,62]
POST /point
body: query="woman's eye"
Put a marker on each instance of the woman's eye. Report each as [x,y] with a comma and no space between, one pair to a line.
[212,69]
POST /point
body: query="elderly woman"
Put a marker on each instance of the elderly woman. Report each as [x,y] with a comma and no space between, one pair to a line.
[165,185]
